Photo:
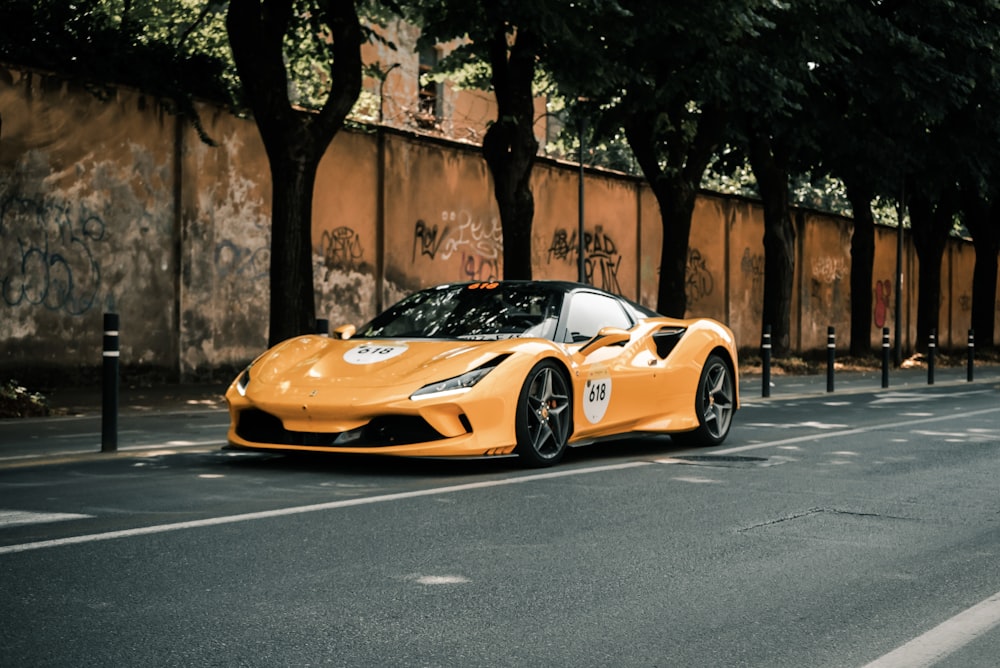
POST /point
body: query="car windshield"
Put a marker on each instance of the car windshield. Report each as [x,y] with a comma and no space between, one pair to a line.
[478,311]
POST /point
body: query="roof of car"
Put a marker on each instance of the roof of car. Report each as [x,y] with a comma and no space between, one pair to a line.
[565,286]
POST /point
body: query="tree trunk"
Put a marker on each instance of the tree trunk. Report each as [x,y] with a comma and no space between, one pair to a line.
[931,224]
[292,303]
[862,263]
[771,170]
[979,219]
[675,189]
[294,139]
[509,146]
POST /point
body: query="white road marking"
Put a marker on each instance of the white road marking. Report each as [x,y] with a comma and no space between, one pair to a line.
[910,397]
[13,518]
[957,631]
[298,510]
[945,638]
[850,432]
[438,579]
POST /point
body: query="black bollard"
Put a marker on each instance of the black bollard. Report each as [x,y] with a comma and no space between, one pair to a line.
[323,326]
[931,352]
[109,391]
[831,351]
[885,357]
[765,356]
[971,363]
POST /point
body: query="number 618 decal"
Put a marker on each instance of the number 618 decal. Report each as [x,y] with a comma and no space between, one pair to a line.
[596,396]
[372,353]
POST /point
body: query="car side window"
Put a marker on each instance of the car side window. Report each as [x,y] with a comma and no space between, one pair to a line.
[589,312]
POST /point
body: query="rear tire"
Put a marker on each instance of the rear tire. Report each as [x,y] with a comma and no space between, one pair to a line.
[714,404]
[544,416]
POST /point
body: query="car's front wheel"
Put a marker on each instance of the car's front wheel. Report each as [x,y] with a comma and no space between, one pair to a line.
[714,403]
[544,415]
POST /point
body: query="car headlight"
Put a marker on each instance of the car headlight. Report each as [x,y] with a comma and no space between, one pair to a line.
[458,384]
[243,381]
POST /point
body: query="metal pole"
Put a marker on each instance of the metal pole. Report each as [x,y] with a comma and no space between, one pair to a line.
[765,356]
[581,246]
[900,213]
[971,363]
[109,392]
[931,351]
[885,357]
[831,351]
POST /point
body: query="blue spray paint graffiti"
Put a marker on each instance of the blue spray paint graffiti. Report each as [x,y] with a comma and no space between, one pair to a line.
[234,260]
[46,255]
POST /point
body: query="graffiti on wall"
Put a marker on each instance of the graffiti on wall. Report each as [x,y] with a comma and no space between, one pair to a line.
[479,268]
[234,260]
[601,257]
[700,283]
[829,269]
[341,249]
[48,254]
[752,267]
[827,273]
[428,239]
[965,302]
[883,289]
[476,243]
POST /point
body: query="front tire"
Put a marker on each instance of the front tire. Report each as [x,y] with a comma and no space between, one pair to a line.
[714,404]
[544,416]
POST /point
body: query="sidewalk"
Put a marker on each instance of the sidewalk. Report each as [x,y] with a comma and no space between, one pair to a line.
[845,382]
[84,401]
[188,417]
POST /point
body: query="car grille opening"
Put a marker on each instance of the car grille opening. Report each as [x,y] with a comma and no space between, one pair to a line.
[257,426]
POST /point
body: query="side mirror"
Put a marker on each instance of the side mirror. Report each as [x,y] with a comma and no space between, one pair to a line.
[345,331]
[608,336]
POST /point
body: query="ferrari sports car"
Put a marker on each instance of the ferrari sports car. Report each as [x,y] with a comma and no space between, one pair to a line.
[521,368]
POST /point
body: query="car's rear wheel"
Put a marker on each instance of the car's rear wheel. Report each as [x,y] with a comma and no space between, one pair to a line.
[714,404]
[544,415]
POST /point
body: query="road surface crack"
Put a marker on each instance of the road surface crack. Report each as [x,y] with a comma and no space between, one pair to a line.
[816,511]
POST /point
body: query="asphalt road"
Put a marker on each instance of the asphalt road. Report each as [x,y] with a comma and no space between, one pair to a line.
[829,530]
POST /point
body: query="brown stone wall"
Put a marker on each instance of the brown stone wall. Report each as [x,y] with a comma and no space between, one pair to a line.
[824,269]
[956,280]
[225,197]
[87,224]
[115,205]
[745,229]
[610,236]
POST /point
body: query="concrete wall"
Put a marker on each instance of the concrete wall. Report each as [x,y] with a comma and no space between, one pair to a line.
[88,223]
[115,205]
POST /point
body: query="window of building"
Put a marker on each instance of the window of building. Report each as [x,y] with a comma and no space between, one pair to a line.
[429,103]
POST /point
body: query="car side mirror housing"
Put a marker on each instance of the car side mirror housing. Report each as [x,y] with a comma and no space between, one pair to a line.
[608,336]
[345,331]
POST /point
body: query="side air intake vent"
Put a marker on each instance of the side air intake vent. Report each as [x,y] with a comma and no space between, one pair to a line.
[666,340]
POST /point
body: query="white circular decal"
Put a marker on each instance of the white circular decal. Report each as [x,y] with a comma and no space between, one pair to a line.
[372,354]
[596,397]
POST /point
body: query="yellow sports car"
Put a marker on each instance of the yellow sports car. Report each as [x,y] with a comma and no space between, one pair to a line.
[522,368]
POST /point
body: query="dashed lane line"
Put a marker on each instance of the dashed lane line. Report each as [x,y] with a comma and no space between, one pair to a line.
[13,518]
[851,432]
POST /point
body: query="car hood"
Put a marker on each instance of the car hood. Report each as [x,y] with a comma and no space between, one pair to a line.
[317,361]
